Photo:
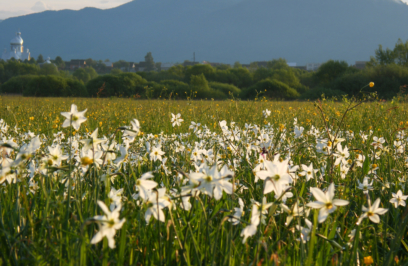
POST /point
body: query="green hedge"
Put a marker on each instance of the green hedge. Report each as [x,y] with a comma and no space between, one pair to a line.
[271,89]
[50,85]
[123,85]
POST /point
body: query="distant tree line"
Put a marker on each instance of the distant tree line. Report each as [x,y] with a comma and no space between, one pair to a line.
[388,69]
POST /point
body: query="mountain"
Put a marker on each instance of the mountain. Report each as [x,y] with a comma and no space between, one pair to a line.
[216,30]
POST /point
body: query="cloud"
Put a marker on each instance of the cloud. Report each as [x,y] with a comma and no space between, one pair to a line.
[40,6]
[104,2]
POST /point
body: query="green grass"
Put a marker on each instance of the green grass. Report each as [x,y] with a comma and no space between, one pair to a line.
[43,227]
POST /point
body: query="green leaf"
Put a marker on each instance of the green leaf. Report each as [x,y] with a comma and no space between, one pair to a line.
[366,165]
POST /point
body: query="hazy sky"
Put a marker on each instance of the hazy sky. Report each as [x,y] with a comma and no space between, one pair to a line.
[13,8]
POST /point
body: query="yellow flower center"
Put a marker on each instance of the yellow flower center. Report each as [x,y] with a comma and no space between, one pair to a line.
[86,161]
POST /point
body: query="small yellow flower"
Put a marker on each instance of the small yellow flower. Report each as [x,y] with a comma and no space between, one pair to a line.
[371,85]
[368,260]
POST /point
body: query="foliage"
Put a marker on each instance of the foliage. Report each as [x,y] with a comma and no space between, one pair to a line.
[149,62]
[48,69]
[85,74]
[388,80]
[329,71]
[59,62]
[399,55]
[122,84]
[227,89]
[270,88]
[40,86]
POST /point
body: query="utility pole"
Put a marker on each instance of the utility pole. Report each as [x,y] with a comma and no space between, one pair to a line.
[194,57]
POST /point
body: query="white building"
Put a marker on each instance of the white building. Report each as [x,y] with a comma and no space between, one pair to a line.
[17,50]
[313,66]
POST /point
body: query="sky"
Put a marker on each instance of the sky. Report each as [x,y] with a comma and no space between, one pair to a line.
[10,8]
[13,8]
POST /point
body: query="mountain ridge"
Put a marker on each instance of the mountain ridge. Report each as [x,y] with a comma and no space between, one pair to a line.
[218,31]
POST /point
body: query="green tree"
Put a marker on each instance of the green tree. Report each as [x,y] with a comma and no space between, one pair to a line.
[81,74]
[48,69]
[92,72]
[177,70]
[85,74]
[158,66]
[277,64]
[149,62]
[116,71]
[40,59]
[59,62]
[91,63]
[329,71]
[207,70]
[399,55]
[237,64]
[271,89]
[121,64]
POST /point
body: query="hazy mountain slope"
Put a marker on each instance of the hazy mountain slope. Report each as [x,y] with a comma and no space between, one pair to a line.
[217,30]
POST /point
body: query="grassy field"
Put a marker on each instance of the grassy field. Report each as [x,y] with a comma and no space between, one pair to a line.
[234,183]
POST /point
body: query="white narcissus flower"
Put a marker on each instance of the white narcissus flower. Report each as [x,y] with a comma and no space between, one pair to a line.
[298,132]
[295,211]
[325,202]
[89,157]
[342,154]
[144,185]
[156,201]
[276,175]
[92,142]
[365,186]
[74,117]
[156,153]
[123,155]
[343,171]
[360,160]
[398,199]
[108,224]
[238,213]
[55,157]
[176,119]
[115,197]
[266,113]
[372,212]
[213,181]
[308,171]
[134,130]
[27,151]
[6,173]
[251,229]
[305,231]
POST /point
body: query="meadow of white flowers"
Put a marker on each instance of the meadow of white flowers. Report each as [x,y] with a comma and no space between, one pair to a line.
[233,195]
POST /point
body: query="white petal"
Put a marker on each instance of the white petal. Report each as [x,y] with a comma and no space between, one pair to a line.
[318,194]
[103,207]
[316,204]
[374,218]
[330,192]
[98,237]
[340,202]
[380,211]
[323,214]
